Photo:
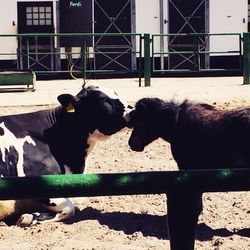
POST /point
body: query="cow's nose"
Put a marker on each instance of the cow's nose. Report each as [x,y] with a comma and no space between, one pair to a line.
[128,109]
[127,115]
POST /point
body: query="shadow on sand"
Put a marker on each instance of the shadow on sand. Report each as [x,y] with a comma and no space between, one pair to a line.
[148,225]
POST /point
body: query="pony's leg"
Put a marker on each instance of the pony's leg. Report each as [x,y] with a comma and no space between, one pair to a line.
[184,209]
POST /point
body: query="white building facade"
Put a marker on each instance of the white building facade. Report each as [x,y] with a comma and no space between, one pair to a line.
[123,16]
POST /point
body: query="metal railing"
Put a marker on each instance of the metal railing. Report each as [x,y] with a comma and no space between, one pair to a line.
[179,186]
[195,52]
[162,53]
[42,53]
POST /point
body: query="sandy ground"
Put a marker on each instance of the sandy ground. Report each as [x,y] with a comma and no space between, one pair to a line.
[139,222]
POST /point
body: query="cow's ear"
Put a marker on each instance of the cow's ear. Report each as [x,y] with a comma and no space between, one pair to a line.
[68,102]
[108,108]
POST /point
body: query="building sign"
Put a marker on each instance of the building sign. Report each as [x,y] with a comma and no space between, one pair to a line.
[75,4]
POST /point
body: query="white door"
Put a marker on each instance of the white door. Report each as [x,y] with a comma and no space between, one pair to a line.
[227,16]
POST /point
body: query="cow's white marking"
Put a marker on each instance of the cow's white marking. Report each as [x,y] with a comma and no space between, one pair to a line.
[8,140]
[94,138]
[113,95]
[127,115]
[109,92]
[64,209]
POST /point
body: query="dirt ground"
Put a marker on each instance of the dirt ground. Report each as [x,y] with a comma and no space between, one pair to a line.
[134,222]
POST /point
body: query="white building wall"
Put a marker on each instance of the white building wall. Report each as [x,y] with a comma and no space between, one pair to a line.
[227,16]
[147,16]
[8,25]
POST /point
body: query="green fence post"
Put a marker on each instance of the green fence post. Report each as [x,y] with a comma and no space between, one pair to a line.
[196,53]
[246,58]
[84,64]
[147,60]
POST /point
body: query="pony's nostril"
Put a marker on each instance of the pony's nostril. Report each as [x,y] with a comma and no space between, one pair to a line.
[136,144]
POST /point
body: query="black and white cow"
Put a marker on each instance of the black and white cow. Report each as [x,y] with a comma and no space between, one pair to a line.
[56,141]
[201,137]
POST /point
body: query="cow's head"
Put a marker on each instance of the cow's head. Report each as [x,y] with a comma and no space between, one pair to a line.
[146,120]
[99,108]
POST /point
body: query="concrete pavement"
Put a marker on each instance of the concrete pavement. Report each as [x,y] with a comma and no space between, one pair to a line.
[207,89]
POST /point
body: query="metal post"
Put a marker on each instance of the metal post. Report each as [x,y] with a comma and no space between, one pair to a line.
[57,49]
[162,32]
[21,52]
[51,52]
[133,37]
[246,58]
[84,63]
[140,61]
[196,53]
[147,60]
[207,37]
[183,211]
[28,55]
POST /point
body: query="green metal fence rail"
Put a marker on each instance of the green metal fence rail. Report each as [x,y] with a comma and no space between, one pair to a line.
[124,183]
[147,60]
[31,52]
[179,186]
[162,53]
[191,52]
[246,58]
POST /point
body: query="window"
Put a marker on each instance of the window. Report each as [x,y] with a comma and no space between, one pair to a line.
[41,15]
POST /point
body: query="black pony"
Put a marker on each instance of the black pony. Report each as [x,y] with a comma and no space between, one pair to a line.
[201,137]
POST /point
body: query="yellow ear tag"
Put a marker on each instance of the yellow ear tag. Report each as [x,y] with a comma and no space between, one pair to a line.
[70,108]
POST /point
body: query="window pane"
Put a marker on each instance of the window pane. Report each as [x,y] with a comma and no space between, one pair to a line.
[29,16]
[29,22]
[41,9]
[42,16]
[48,9]
[39,15]
[42,22]
[28,9]
[48,16]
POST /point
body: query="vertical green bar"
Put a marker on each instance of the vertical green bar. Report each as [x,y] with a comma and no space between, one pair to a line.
[196,53]
[147,60]
[28,54]
[84,63]
[140,61]
[246,58]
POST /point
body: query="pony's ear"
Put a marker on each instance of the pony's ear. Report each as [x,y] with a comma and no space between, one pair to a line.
[68,102]
[141,107]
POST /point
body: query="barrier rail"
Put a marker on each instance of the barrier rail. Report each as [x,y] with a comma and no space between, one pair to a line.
[193,52]
[246,61]
[180,53]
[181,188]
[102,53]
